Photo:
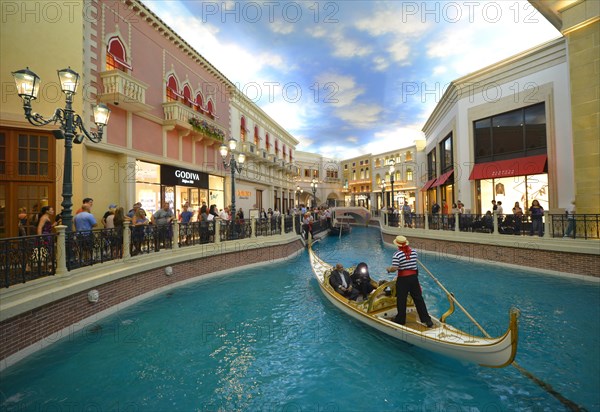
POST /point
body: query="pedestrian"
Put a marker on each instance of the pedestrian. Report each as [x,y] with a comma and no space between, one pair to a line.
[86,201]
[571,228]
[404,262]
[84,220]
[22,225]
[110,212]
[536,212]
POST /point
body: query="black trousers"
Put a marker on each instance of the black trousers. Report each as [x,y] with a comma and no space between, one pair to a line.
[404,286]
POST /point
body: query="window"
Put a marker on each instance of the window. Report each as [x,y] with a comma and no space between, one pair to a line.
[172,89]
[345,167]
[306,172]
[409,174]
[116,57]
[256,136]
[446,154]
[267,143]
[199,106]
[431,164]
[211,109]
[33,155]
[187,96]
[514,134]
[243,129]
[483,139]
[408,156]
[2,153]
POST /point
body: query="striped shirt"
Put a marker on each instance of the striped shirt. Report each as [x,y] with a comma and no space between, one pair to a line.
[399,260]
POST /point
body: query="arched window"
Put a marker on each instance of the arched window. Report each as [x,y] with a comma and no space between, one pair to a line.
[116,56]
[290,155]
[187,96]
[199,106]
[256,136]
[211,109]
[276,148]
[243,129]
[172,89]
[284,153]
[267,142]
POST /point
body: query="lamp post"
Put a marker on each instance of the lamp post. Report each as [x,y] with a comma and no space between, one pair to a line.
[298,193]
[392,170]
[233,165]
[382,194]
[314,185]
[28,86]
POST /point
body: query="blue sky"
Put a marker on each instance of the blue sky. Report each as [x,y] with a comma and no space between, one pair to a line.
[352,77]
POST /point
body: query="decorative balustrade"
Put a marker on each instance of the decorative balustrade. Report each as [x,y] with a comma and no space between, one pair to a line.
[124,90]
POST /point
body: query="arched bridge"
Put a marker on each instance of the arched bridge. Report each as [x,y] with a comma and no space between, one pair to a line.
[360,214]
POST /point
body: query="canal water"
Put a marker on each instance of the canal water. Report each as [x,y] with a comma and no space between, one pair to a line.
[264,339]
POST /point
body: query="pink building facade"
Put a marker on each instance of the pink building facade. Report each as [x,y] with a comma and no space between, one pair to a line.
[170,112]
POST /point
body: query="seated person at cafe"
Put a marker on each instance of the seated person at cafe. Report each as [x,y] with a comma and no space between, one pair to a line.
[362,280]
[341,282]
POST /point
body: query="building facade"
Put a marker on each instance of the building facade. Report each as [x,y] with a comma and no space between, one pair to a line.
[579,22]
[400,183]
[503,133]
[322,171]
[270,171]
[170,112]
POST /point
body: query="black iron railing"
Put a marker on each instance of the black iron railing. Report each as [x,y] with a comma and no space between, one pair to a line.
[26,258]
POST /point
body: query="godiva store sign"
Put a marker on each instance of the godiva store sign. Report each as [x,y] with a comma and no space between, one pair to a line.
[177,176]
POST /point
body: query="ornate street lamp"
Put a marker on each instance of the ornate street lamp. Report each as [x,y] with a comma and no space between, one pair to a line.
[28,86]
[314,185]
[234,165]
[382,194]
[392,171]
[298,193]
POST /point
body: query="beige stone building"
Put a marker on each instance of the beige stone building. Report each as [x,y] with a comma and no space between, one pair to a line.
[579,22]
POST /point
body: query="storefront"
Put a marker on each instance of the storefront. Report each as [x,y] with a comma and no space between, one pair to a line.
[163,183]
[508,181]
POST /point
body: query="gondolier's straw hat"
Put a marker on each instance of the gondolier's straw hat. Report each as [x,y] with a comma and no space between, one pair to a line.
[401,241]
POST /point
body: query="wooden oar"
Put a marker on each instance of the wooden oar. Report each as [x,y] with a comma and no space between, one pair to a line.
[546,386]
[454,299]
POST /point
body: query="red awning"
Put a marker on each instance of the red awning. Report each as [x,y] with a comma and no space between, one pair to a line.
[442,179]
[428,184]
[522,166]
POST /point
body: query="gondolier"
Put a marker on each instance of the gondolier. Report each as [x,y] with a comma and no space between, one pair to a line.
[404,262]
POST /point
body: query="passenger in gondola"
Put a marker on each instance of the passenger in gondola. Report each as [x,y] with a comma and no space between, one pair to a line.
[362,280]
[341,282]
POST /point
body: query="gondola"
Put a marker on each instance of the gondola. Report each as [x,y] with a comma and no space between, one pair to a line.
[339,228]
[380,308]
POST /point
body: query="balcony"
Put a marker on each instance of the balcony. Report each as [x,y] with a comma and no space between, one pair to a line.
[178,115]
[123,90]
[250,150]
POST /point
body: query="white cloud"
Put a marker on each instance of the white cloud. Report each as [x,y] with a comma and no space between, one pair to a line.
[439,70]
[393,138]
[380,63]
[342,90]
[360,115]
[281,27]
[399,51]
[391,21]
[352,139]
[238,64]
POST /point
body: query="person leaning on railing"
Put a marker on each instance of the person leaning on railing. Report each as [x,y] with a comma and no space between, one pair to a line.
[570,212]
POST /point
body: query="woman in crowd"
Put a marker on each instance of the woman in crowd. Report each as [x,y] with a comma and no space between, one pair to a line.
[138,231]
[537,213]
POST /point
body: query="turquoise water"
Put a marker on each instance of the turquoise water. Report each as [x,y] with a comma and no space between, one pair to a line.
[264,339]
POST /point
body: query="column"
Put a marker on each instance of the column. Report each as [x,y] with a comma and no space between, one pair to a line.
[61,257]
